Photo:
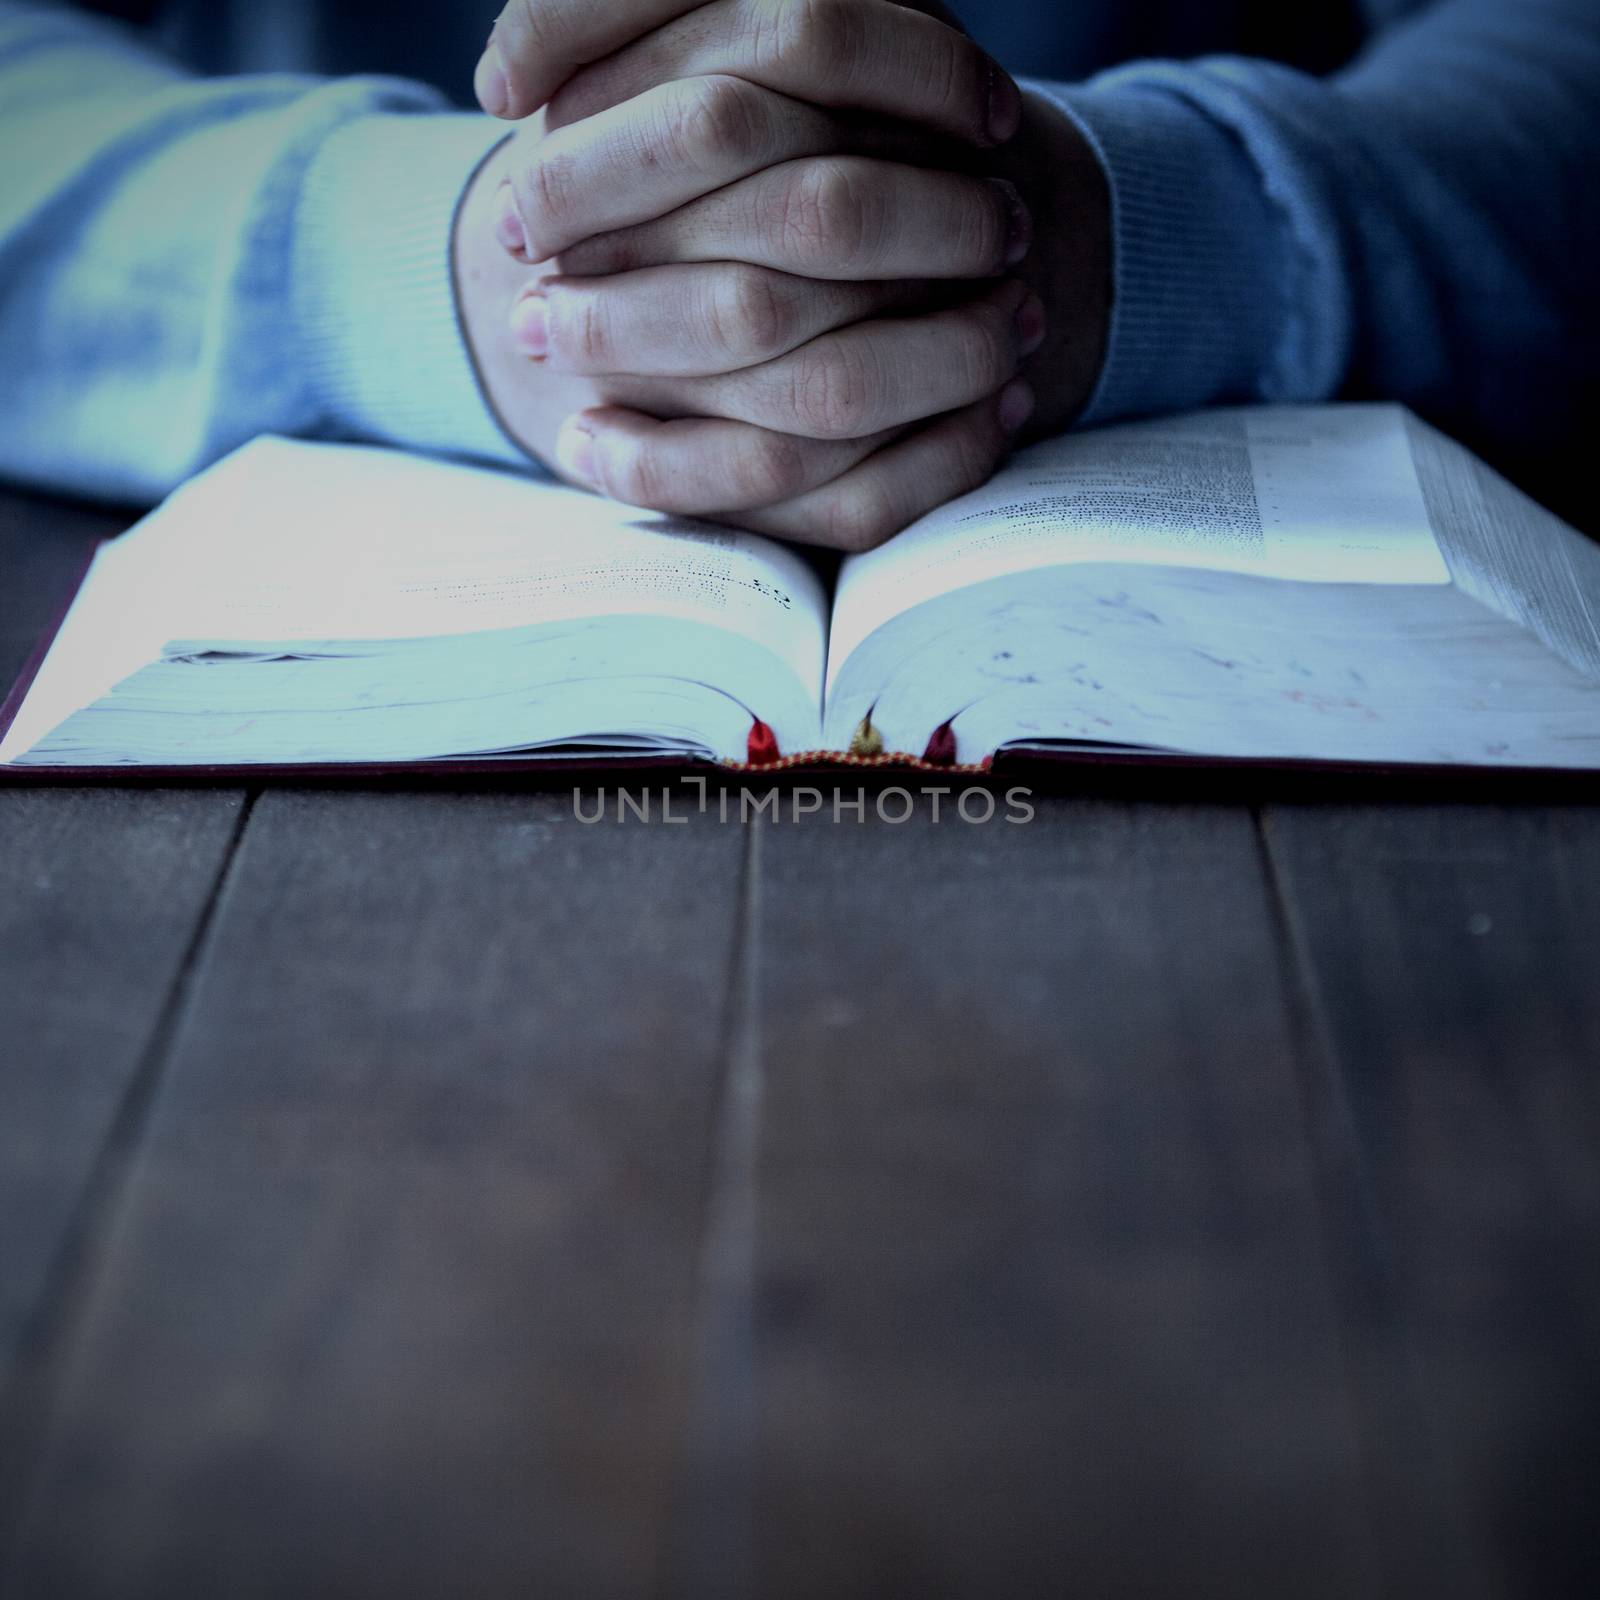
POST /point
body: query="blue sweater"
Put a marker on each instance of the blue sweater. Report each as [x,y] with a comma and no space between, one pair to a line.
[188,259]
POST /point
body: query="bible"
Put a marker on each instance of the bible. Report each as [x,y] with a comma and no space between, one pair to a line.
[1321,583]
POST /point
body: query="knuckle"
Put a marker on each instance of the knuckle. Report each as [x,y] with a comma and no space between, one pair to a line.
[985,229]
[711,117]
[593,335]
[817,37]
[750,319]
[547,199]
[637,476]
[950,79]
[964,75]
[826,216]
[525,17]
[831,395]
[534,26]
[580,332]
[527,32]
[984,350]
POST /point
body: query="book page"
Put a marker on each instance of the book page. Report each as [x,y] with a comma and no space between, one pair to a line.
[1314,493]
[286,547]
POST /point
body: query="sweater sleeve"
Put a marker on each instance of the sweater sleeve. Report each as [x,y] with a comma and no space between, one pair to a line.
[186,263]
[1421,227]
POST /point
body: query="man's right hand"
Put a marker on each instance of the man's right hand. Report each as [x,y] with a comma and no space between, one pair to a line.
[860,55]
[736,320]
[746,393]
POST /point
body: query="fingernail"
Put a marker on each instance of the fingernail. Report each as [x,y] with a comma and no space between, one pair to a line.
[508,227]
[530,324]
[489,82]
[1016,405]
[1031,324]
[1005,105]
[1019,239]
[575,450]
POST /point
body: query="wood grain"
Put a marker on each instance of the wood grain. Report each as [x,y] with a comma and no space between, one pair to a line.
[1036,1297]
[398,1299]
[101,895]
[1451,957]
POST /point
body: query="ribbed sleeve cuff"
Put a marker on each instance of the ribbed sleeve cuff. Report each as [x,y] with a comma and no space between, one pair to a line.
[374,300]
[1198,282]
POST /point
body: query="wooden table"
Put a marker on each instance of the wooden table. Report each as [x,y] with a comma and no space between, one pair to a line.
[426,1194]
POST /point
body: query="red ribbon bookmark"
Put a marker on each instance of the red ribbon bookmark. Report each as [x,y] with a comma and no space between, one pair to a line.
[941,751]
[762,748]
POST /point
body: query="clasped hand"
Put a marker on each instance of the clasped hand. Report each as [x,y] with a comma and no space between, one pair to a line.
[775,261]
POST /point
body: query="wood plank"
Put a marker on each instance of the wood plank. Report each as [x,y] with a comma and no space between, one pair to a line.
[1452,960]
[399,1298]
[1035,1299]
[101,895]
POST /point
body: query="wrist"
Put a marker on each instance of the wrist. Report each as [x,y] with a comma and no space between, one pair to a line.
[1201,266]
[1070,266]
[375,317]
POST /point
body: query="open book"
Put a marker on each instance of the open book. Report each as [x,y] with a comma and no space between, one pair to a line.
[1276,583]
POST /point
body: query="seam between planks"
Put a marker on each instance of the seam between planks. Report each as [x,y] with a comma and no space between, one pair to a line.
[709,1530]
[29,1398]
[1418,1549]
